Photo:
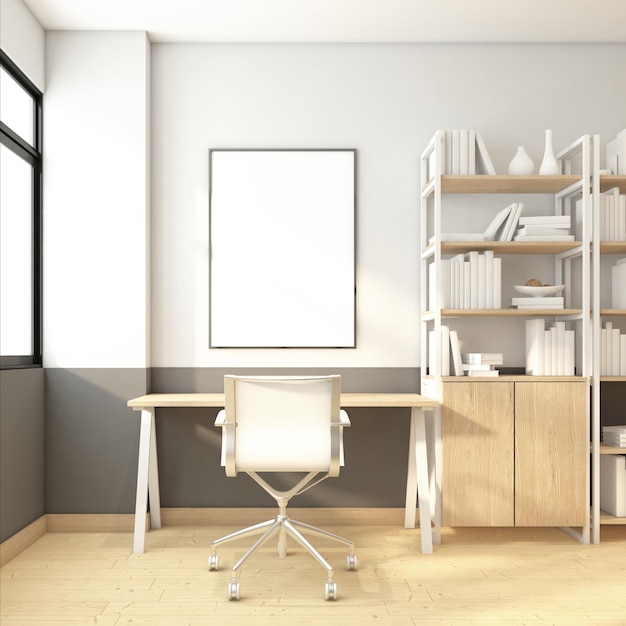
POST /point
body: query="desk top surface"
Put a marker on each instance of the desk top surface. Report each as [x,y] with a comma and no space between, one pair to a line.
[155,400]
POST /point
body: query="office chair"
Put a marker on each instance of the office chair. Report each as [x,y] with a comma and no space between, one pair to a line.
[275,425]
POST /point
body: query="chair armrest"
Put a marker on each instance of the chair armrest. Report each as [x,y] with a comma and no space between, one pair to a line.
[220,420]
[228,443]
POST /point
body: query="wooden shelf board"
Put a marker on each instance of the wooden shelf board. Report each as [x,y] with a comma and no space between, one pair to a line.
[612,379]
[605,518]
[605,449]
[508,312]
[508,247]
[608,182]
[513,378]
[506,184]
[613,312]
[613,247]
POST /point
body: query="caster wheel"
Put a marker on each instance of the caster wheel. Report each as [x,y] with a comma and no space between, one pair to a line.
[351,562]
[214,563]
[330,591]
[233,591]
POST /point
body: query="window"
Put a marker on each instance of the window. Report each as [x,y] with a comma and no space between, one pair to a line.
[20,218]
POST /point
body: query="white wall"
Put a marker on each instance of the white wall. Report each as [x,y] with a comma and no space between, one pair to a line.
[96,200]
[384,100]
[23,39]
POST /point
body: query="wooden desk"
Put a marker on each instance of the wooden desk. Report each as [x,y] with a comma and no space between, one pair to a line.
[424,464]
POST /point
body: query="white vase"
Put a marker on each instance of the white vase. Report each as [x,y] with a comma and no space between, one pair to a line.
[522,164]
[549,165]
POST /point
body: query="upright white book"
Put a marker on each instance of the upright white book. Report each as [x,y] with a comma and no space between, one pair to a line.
[560,343]
[481,281]
[615,352]
[511,223]
[471,147]
[456,161]
[547,353]
[497,283]
[618,284]
[622,355]
[570,347]
[445,351]
[555,351]
[616,154]
[455,349]
[496,225]
[467,281]
[464,151]
[444,339]
[484,160]
[472,258]
[489,279]
[535,342]
[613,484]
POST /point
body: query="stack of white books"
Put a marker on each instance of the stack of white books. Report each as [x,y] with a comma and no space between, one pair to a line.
[549,351]
[544,228]
[482,363]
[613,216]
[468,281]
[618,278]
[612,351]
[614,436]
[539,302]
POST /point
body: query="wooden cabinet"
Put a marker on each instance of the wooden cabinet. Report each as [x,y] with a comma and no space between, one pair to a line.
[514,452]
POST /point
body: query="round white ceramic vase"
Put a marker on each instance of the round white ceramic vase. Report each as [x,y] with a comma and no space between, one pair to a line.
[549,165]
[522,164]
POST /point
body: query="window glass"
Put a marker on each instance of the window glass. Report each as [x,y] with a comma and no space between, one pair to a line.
[16,254]
[16,107]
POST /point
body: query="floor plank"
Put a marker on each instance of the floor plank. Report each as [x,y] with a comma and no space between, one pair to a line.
[493,577]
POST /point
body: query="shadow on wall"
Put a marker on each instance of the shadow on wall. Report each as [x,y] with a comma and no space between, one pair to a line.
[92,439]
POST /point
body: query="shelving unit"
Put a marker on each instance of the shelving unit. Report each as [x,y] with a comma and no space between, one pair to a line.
[601,250]
[488,406]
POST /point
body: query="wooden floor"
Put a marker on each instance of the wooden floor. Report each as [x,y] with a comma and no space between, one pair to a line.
[476,576]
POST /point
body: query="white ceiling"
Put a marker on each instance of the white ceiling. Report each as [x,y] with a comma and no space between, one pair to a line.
[344,20]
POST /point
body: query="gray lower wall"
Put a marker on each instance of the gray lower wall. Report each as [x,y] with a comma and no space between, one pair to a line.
[68,442]
[92,442]
[376,446]
[22,433]
[92,439]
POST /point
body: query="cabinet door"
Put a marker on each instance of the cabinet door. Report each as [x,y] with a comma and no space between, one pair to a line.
[478,454]
[550,449]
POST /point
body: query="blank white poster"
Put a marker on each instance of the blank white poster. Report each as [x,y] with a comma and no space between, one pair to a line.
[282,252]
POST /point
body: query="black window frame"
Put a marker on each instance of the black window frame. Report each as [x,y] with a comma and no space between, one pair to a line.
[34,156]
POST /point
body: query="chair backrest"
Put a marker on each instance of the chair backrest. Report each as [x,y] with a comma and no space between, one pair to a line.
[283,423]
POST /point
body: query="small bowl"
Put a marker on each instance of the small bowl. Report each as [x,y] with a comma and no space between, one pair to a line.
[535,292]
